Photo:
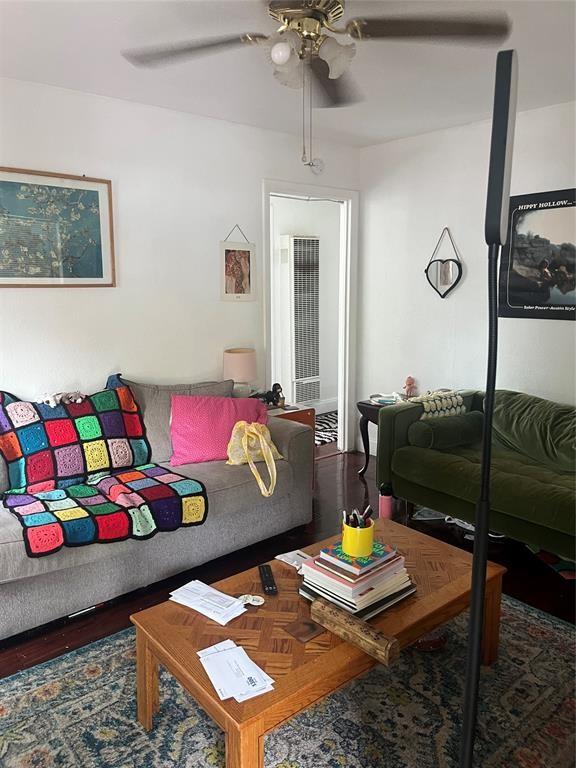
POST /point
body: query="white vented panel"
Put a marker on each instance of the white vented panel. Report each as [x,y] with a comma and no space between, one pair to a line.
[306,318]
[307,390]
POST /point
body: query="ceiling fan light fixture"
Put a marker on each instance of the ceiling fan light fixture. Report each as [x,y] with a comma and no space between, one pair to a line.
[290,77]
[280,53]
[337,56]
[284,49]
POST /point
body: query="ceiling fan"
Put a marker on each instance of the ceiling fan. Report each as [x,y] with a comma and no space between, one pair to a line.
[302,48]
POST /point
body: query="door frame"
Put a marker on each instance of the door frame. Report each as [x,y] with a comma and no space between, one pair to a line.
[347,313]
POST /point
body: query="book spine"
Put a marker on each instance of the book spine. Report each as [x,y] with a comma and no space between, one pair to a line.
[316,591]
[351,590]
[351,578]
[354,569]
[368,597]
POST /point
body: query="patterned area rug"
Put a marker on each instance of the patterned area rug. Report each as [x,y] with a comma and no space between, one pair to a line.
[78,711]
[326,428]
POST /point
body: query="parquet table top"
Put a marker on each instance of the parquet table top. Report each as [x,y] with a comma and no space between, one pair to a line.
[304,673]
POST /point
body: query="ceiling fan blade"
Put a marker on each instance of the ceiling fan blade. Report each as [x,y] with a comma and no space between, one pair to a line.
[488,27]
[329,92]
[160,55]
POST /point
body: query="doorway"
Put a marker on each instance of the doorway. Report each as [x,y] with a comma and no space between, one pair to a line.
[310,234]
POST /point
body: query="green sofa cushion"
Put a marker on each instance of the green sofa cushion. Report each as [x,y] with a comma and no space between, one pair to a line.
[447,432]
[543,430]
[521,486]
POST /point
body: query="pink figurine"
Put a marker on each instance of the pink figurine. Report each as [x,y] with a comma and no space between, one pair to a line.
[410,387]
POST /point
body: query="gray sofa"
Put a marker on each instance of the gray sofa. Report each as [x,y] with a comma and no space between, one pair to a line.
[34,591]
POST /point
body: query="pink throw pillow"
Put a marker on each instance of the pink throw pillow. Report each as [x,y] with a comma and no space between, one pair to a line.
[201,425]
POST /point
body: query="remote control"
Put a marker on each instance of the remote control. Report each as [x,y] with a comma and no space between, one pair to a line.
[267,579]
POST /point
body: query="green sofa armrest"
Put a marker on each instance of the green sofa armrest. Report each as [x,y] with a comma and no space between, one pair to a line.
[393,424]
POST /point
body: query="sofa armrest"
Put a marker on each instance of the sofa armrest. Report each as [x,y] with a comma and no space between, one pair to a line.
[393,424]
[295,442]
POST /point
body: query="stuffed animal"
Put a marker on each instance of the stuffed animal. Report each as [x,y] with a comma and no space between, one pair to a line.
[62,397]
[272,397]
[410,388]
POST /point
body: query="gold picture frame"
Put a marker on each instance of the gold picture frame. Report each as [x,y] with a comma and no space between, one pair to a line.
[56,230]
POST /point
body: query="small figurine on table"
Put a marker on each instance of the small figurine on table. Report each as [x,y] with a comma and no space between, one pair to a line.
[410,388]
[274,397]
[280,400]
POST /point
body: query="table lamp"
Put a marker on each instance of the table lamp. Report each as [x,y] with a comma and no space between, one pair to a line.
[240,366]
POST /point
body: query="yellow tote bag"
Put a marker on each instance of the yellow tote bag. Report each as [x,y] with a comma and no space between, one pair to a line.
[250,443]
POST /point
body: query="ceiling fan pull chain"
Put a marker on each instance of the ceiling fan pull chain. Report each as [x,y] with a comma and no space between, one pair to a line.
[310,116]
[304,156]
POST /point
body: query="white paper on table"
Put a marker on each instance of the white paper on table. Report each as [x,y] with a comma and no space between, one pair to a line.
[256,669]
[224,645]
[208,601]
[294,559]
[247,662]
[233,673]
[227,674]
[242,697]
[219,618]
[197,591]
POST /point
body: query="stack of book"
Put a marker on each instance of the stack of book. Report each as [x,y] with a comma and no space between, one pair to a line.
[363,586]
[386,398]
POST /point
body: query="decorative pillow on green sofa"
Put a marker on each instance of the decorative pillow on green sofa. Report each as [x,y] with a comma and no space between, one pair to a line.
[448,432]
[541,429]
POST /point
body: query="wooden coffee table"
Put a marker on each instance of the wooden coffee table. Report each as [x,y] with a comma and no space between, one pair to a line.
[170,634]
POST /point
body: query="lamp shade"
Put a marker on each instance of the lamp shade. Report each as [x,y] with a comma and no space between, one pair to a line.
[240,365]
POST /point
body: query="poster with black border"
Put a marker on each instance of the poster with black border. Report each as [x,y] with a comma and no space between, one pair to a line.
[538,263]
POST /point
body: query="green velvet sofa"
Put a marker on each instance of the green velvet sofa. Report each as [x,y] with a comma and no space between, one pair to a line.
[436,463]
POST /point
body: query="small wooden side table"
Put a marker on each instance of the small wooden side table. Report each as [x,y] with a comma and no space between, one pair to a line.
[302,415]
[368,413]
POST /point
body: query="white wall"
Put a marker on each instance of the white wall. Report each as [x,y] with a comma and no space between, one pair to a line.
[320,219]
[180,183]
[411,189]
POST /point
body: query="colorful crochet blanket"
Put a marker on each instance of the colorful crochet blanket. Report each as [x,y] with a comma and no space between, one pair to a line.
[130,503]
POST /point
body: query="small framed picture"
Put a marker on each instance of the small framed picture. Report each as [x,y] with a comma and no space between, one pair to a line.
[237,261]
[56,230]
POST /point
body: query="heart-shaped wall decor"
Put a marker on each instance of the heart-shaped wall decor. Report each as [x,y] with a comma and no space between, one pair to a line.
[444,274]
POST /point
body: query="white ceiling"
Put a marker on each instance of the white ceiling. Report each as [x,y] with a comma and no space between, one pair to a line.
[409,88]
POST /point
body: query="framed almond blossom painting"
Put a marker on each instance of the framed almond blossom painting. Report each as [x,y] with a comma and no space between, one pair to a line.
[56,230]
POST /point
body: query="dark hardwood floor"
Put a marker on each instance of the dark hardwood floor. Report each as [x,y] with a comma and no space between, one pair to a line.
[337,487]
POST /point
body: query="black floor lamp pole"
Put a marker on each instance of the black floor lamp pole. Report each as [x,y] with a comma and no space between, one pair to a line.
[503,119]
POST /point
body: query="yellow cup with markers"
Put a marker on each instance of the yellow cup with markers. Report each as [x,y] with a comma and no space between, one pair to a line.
[358,542]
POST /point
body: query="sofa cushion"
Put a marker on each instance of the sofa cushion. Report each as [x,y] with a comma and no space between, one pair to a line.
[520,486]
[155,403]
[447,432]
[541,429]
[229,489]
[201,426]
[48,447]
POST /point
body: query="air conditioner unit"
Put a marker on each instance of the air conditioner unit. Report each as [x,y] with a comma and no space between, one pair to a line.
[304,263]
